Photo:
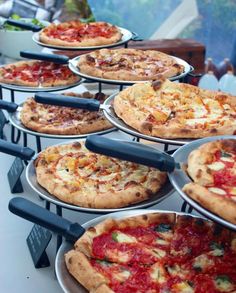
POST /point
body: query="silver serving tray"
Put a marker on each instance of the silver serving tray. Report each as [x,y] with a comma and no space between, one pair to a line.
[178,178]
[14,119]
[126,36]
[110,114]
[30,174]
[162,194]
[29,89]
[73,67]
[66,281]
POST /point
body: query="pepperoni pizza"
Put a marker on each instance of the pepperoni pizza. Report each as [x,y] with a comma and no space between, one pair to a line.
[37,74]
[155,253]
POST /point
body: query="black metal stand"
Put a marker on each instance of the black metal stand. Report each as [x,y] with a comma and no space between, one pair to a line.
[59,237]
[186,208]
[13,138]
[38,144]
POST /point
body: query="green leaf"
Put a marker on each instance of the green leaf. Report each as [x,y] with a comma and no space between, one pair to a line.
[215,245]
[225,155]
[163,228]
[114,236]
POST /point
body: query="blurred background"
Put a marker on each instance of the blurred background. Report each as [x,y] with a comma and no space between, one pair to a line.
[211,22]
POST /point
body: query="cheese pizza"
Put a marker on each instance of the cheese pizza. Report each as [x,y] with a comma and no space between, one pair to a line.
[37,74]
[78,34]
[63,120]
[77,176]
[212,168]
[156,253]
[128,64]
[176,110]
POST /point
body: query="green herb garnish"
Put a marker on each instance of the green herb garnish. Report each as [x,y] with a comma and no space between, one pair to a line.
[163,228]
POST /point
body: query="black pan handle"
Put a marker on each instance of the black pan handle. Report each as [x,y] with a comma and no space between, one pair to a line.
[9,106]
[38,215]
[133,152]
[28,26]
[59,59]
[67,101]
[13,149]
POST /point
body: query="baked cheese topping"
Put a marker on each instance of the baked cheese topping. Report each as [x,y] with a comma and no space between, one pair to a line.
[170,104]
[223,169]
[78,167]
[75,31]
[144,63]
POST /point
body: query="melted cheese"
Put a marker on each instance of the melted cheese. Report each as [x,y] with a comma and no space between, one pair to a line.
[183,287]
[158,274]
[122,276]
[202,262]
[216,166]
[227,159]
[217,190]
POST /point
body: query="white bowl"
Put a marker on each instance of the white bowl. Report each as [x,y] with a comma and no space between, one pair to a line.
[12,42]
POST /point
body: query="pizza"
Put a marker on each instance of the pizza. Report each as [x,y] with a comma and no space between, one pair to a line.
[212,167]
[79,34]
[128,64]
[77,176]
[63,120]
[34,73]
[155,253]
[176,110]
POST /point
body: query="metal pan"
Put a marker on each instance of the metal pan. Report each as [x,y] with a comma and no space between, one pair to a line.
[72,231]
[14,111]
[126,37]
[20,88]
[108,111]
[73,67]
[151,157]
[28,154]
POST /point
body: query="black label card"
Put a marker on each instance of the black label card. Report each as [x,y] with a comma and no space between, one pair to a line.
[37,242]
[14,174]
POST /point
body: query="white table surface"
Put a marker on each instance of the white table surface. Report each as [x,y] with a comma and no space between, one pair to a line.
[17,272]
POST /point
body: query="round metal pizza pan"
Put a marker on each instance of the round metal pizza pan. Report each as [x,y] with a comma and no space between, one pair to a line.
[119,123]
[28,89]
[73,67]
[14,119]
[163,193]
[178,178]
[126,37]
[66,281]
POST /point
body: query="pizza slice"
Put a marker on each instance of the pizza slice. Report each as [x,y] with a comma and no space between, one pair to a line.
[52,74]
[20,73]
[126,241]
[212,167]
[192,235]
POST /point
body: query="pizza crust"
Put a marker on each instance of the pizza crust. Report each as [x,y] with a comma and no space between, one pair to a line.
[80,268]
[86,41]
[199,162]
[167,120]
[199,159]
[128,64]
[221,206]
